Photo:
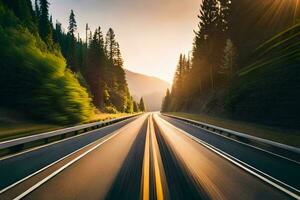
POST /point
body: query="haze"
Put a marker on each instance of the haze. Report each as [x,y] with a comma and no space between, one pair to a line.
[152,34]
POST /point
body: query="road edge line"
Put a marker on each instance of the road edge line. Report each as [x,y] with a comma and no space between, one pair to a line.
[56,142]
[241,164]
[112,135]
[189,122]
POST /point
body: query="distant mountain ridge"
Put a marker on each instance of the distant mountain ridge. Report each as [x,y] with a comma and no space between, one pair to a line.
[152,89]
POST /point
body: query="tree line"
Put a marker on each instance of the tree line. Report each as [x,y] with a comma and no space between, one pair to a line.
[97,61]
[56,72]
[229,32]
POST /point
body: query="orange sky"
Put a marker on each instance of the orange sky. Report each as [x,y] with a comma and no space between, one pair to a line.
[152,33]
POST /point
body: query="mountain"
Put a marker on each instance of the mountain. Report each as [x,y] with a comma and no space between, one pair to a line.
[152,89]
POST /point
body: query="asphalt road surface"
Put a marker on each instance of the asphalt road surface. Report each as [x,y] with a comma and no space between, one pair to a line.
[148,157]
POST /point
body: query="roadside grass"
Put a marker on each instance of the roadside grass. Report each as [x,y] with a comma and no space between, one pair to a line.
[284,136]
[14,125]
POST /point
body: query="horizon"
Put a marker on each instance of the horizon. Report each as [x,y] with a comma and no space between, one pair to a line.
[155,20]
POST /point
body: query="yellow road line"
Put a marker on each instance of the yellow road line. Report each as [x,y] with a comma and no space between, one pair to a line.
[146,166]
[152,149]
[157,173]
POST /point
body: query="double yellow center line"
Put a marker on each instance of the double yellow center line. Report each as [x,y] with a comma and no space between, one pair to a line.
[152,153]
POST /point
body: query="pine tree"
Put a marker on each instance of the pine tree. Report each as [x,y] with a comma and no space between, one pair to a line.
[181,83]
[72,24]
[44,25]
[224,15]
[135,107]
[58,35]
[37,8]
[111,46]
[229,59]
[203,51]
[37,11]
[72,58]
[208,18]
[142,106]
[95,69]
[208,27]
[115,74]
[129,108]
[177,82]
[118,60]
[166,102]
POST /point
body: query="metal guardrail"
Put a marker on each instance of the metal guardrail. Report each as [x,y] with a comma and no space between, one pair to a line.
[274,147]
[19,144]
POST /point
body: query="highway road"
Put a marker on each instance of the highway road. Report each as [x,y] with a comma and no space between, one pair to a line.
[148,157]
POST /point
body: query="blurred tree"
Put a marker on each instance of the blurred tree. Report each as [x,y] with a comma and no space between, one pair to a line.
[33,77]
[142,105]
[229,60]
[135,107]
[129,108]
[166,102]
[23,10]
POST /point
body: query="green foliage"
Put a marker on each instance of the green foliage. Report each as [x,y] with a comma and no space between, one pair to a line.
[236,46]
[95,69]
[115,75]
[270,85]
[35,80]
[23,10]
[111,46]
[129,107]
[101,64]
[118,90]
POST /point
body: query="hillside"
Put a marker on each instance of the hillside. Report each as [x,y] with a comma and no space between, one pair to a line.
[151,88]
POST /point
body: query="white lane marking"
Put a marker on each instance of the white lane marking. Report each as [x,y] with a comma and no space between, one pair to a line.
[63,167]
[229,138]
[46,167]
[63,140]
[241,164]
[86,146]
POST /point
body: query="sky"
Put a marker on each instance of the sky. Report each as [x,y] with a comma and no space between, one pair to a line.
[151,33]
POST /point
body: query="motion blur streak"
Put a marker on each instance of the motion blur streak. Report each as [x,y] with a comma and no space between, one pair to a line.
[219,178]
